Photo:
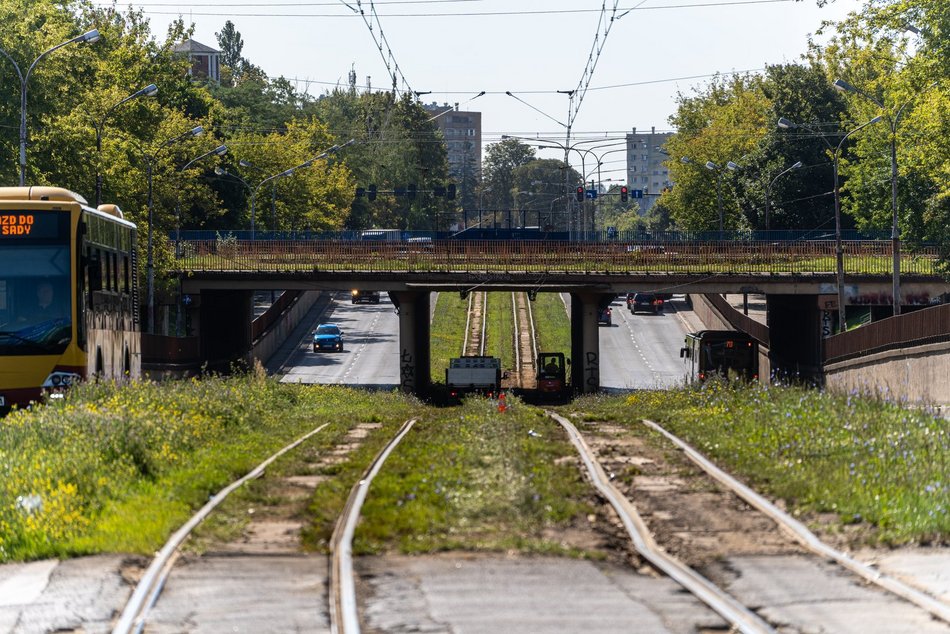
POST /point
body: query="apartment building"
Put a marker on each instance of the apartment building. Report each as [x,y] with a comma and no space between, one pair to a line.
[645,165]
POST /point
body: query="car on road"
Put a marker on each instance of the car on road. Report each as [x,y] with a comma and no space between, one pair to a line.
[604,317]
[646,302]
[358,296]
[328,337]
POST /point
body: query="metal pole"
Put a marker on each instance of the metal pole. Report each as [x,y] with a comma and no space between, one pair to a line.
[767,208]
[99,163]
[149,262]
[895,229]
[273,205]
[23,82]
[839,253]
[719,197]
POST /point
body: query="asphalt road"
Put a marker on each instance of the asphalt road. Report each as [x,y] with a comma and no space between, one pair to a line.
[370,354]
[642,351]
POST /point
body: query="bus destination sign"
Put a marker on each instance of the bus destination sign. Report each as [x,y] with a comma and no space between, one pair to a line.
[30,225]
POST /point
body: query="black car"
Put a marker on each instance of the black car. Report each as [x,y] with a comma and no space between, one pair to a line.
[364,297]
[646,302]
[604,317]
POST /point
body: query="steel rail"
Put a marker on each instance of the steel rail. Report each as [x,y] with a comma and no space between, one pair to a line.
[150,585]
[804,536]
[468,322]
[517,341]
[534,331]
[719,601]
[344,615]
[481,344]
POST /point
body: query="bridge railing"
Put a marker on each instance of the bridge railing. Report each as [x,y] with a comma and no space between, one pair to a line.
[927,325]
[861,257]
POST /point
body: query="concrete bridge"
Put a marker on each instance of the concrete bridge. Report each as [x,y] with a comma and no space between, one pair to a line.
[798,280]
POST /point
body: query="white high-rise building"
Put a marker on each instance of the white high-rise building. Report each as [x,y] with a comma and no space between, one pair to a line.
[645,168]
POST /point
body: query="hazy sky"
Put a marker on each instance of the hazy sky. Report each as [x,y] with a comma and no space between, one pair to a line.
[532,48]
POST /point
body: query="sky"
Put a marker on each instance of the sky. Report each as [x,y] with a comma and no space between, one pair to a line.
[650,52]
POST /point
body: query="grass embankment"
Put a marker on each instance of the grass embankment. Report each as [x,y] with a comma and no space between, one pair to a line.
[118,469]
[865,459]
[473,478]
[446,333]
[552,324]
[500,330]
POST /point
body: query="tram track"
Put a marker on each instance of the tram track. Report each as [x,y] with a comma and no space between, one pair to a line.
[147,591]
[656,546]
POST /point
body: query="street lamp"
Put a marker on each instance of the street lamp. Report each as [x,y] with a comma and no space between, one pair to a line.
[149,261]
[288,172]
[716,168]
[218,151]
[149,91]
[768,189]
[89,36]
[844,86]
[839,252]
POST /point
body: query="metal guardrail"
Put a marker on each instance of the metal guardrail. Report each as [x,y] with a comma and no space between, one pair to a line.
[743,323]
[927,325]
[278,256]
[270,316]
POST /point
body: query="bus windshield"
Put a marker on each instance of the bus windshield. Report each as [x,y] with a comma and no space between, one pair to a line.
[35,299]
[722,356]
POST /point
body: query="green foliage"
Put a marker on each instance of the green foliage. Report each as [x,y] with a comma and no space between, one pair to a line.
[119,468]
[498,167]
[863,457]
[446,333]
[538,193]
[474,478]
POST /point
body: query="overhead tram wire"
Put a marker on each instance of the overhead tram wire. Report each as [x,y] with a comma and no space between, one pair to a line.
[469,14]
[389,60]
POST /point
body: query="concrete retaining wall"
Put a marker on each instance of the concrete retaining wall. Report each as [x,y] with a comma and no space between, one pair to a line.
[918,374]
[267,344]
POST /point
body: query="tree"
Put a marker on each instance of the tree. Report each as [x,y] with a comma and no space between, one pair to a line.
[538,196]
[725,122]
[231,44]
[398,145]
[500,160]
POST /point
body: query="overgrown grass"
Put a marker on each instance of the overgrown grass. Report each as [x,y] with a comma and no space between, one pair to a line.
[552,323]
[474,478]
[864,458]
[446,333]
[119,468]
[499,331]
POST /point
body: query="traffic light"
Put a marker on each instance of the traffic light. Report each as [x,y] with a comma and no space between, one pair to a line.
[360,192]
[411,191]
[579,193]
[371,192]
[624,192]
[450,191]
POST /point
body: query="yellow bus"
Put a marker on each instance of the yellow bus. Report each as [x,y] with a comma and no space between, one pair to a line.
[68,294]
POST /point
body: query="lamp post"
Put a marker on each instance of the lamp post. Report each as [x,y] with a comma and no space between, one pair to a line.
[839,252]
[893,122]
[149,261]
[768,189]
[288,172]
[218,151]
[716,168]
[149,91]
[583,152]
[89,36]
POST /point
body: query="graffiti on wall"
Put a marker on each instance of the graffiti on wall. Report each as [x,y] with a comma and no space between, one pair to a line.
[407,371]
